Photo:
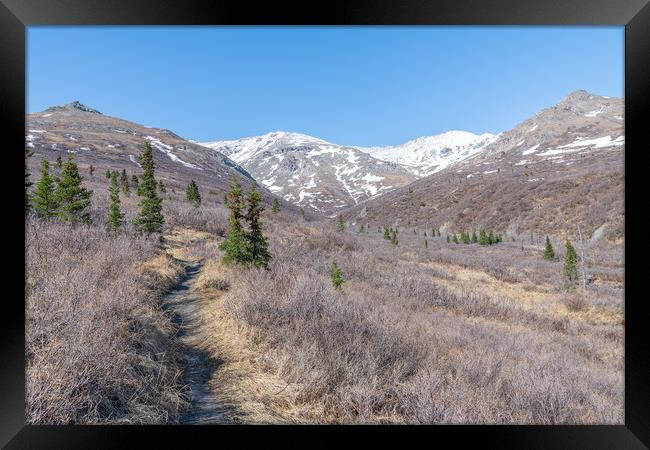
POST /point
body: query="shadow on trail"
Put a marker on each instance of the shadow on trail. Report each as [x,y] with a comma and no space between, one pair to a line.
[205,408]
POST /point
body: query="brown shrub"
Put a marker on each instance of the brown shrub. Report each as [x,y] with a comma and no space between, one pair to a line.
[98,347]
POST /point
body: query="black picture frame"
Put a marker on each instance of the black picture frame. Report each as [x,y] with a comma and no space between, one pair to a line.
[16,15]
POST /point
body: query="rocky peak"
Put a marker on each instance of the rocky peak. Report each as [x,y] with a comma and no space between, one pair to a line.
[75,105]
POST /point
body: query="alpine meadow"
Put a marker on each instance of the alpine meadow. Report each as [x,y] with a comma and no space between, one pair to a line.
[326,250]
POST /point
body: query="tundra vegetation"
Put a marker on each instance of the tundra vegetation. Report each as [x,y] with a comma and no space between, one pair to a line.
[310,321]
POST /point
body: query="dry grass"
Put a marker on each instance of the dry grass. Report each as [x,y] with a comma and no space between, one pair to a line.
[417,336]
[447,334]
[98,346]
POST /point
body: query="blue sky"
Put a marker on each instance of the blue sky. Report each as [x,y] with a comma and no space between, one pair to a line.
[349,85]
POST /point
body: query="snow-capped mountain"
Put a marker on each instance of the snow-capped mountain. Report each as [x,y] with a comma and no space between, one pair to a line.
[311,172]
[429,154]
[328,177]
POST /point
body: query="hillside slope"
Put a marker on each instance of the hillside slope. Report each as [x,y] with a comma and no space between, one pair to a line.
[558,169]
[312,172]
[113,143]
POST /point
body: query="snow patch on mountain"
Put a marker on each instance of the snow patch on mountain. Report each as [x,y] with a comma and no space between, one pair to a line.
[430,154]
[167,149]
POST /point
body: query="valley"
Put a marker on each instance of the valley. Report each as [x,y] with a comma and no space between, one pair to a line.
[423,327]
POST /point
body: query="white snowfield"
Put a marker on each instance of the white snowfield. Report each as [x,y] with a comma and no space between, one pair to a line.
[586,144]
[430,154]
[530,150]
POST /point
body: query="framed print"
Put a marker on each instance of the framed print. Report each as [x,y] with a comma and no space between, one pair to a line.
[395,217]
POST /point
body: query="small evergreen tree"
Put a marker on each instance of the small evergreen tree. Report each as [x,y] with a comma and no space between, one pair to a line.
[115,216]
[393,238]
[386,234]
[426,244]
[302,213]
[43,198]
[340,226]
[491,239]
[455,239]
[438,232]
[72,198]
[336,276]
[59,162]
[425,233]
[108,174]
[135,183]
[570,263]
[474,237]
[193,195]
[465,237]
[225,200]
[235,246]
[257,246]
[275,206]
[150,218]
[124,181]
[161,187]
[91,169]
[483,238]
[448,241]
[549,253]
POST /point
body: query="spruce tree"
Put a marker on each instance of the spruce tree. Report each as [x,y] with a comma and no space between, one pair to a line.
[448,239]
[124,181]
[426,244]
[386,234]
[43,197]
[491,239]
[235,245]
[59,162]
[258,248]
[161,187]
[393,238]
[455,239]
[483,238]
[570,263]
[150,218]
[549,253]
[474,237]
[193,195]
[438,232]
[115,216]
[91,169]
[275,206]
[340,226]
[108,174]
[225,200]
[135,183]
[302,213]
[465,237]
[425,233]
[336,276]
[72,198]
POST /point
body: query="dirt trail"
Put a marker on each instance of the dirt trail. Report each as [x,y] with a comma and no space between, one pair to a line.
[205,408]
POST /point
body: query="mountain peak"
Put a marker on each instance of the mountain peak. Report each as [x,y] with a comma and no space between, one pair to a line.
[74,105]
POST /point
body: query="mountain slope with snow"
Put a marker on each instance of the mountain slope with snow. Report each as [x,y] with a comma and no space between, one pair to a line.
[311,172]
[328,177]
[112,143]
[430,154]
[560,168]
